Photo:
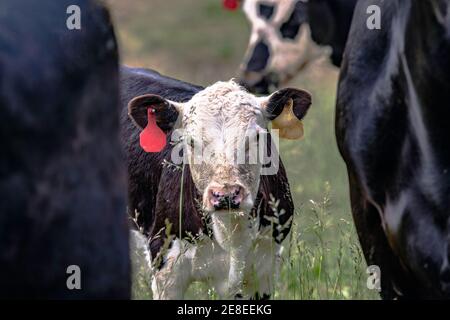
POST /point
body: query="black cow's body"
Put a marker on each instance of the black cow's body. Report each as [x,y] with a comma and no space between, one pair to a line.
[154,189]
[62,182]
[392,130]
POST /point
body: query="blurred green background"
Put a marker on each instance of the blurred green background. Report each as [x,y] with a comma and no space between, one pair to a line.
[200,42]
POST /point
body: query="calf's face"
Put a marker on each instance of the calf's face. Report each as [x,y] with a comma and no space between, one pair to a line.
[222,131]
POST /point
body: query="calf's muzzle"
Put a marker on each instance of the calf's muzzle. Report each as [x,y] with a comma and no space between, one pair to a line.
[226,197]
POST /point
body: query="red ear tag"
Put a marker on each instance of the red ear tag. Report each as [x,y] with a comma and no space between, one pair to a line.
[231,4]
[152,138]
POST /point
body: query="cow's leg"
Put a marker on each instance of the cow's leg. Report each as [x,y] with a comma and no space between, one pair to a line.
[263,274]
[172,279]
[261,288]
[238,258]
[395,282]
[233,234]
[270,273]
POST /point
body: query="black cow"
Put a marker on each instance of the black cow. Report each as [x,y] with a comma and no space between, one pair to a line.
[392,131]
[287,35]
[62,181]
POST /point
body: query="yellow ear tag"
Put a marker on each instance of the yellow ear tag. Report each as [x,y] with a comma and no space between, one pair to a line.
[288,124]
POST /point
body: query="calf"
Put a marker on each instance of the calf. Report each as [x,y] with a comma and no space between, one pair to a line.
[233,217]
[288,35]
[63,226]
[392,131]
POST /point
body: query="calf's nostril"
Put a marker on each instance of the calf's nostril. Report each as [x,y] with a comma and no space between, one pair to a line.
[217,194]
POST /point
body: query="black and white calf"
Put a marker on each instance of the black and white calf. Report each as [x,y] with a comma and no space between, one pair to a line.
[392,129]
[287,35]
[62,180]
[233,218]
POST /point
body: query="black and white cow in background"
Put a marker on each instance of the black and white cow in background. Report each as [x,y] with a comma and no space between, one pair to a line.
[393,132]
[230,231]
[287,35]
[62,180]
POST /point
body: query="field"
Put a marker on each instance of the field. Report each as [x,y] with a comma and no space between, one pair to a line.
[199,42]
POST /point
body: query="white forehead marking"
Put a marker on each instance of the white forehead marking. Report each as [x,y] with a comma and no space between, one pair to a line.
[221,115]
[223,102]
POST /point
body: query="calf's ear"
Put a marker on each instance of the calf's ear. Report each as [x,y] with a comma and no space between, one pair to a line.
[286,108]
[166,112]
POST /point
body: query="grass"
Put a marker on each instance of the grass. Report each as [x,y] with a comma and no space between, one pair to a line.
[321,260]
[199,42]
[324,260]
